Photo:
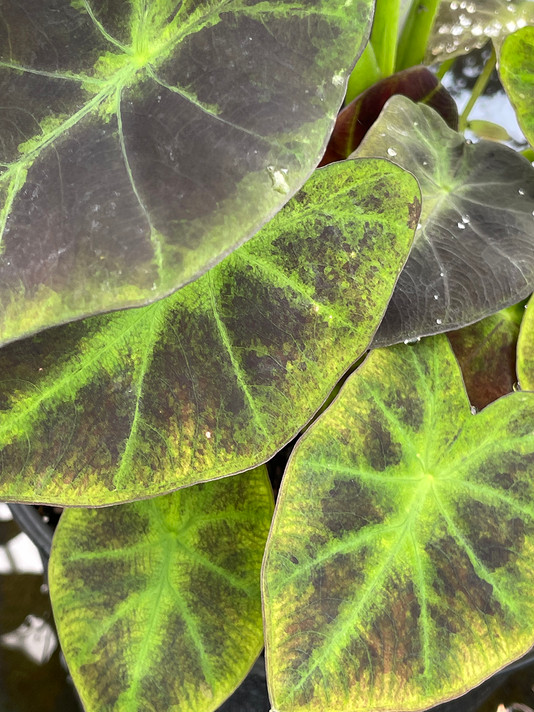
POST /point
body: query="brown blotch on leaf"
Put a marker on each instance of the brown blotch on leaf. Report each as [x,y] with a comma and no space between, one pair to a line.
[348,507]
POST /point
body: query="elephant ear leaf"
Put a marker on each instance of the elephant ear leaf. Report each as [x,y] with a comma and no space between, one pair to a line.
[141,142]
[217,377]
[400,564]
[516,68]
[525,349]
[473,251]
[157,603]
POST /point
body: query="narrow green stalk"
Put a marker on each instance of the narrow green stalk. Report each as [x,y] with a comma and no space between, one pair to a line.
[384,34]
[365,74]
[415,33]
[478,89]
[444,68]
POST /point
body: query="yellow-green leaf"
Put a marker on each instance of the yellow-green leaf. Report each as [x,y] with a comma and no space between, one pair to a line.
[400,566]
[157,603]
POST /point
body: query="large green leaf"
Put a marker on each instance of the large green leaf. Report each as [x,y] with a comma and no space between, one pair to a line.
[400,565]
[486,352]
[525,349]
[474,250]
[217,377]
[157,603]
[463,25]
[516,68]
[142,141]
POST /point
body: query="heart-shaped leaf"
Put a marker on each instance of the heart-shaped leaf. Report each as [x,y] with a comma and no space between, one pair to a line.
[217,377]
[525,349]
[464,25]
[474,250]
[400,565]
[516,68]
[417,83]
[157,603]
[486,352]
[140,142]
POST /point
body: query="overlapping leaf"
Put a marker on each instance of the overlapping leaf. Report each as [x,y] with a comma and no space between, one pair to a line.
[463,25]
[486,352]
[417,83]
[474,249]
[400,565]
[157,603]
[525,349]
[142,141]
[516,68]
[217,377]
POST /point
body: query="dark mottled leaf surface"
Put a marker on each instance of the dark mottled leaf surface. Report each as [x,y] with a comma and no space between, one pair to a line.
[142,141]
[417,83]
[157,603]
[216,378]
[400,565]
[486,352]
[473,252]
[516,68]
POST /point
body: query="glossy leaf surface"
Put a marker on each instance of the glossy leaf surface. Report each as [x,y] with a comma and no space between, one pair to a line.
[464,25]
[220,375]
[140,142]
[400,564]
[486,352]
[516,68]
[474,250]
[525,350]
[417,83]
[157,603]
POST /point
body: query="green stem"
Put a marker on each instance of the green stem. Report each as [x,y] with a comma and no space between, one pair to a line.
[444,68]
[528,153]
[478,89]
[415,33]
[365,74]
[384,34]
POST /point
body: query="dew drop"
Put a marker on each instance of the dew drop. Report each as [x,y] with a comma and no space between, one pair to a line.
[438,321]
[442,274]
[521,191]
[337,80]
[436,296]
[425,163]
[278,179]
[474,410]
[208,434]
[461,226]
[466,219]
[415,340]
[392,152]
[516,387]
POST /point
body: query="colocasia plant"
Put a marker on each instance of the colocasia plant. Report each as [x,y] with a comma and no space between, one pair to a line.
[181,292]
